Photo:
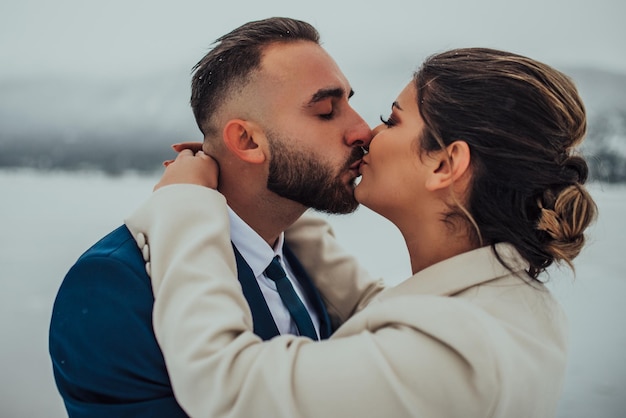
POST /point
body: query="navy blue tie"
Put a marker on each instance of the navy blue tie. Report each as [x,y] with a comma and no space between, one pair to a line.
[291,300]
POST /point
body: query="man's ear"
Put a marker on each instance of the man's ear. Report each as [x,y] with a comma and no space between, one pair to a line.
[241,138]
[449,167]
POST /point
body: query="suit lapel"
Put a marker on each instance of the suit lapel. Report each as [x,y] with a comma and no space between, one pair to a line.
[311,291]
[263,322]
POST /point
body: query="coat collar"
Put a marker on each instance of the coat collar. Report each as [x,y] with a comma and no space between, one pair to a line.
[461,272]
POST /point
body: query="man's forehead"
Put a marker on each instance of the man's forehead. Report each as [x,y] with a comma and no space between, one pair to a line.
[306,67]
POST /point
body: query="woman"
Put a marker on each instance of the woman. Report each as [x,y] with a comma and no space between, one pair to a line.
[476,167]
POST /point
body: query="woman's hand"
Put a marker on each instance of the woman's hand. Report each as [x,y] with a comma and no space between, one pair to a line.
[190,167]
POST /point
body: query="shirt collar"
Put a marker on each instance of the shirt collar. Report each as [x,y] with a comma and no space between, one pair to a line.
[257,253]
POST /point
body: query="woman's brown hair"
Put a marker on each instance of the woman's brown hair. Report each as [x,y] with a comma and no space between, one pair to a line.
[522,121]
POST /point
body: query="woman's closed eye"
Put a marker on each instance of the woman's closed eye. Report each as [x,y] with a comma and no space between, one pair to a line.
[388,122]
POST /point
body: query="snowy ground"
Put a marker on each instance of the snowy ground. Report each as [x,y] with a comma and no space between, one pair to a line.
[48,220]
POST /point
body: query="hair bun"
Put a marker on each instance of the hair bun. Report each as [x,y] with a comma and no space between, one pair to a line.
[574,169]
[564,217]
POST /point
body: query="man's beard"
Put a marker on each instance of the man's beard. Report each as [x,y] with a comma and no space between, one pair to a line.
[303,179]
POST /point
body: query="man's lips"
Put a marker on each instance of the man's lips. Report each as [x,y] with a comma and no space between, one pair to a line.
[356,165]
[355,168]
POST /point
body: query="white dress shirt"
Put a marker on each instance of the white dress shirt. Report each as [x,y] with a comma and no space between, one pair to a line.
[258,254]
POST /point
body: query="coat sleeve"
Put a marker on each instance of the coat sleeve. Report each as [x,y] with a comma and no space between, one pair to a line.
[204,328]
[345,286]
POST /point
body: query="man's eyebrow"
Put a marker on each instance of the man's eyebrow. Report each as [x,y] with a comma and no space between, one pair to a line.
[396,105]
[323,94]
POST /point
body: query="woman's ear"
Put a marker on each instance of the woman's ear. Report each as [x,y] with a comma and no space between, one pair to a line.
[241,138]
[449,167]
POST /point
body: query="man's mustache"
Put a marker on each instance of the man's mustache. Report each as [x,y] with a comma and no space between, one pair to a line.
[356,155]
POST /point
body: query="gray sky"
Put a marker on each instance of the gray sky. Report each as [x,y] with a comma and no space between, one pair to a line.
[71,65]
[121,38]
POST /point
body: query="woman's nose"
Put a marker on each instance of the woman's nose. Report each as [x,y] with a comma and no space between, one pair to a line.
[377,129]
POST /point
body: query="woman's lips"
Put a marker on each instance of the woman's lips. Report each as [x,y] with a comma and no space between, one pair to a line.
[361,165]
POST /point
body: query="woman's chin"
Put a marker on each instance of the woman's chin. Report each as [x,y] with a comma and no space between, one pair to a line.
[360,193]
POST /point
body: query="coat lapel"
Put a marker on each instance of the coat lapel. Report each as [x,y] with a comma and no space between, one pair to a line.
[263,322]
[311,291]
[462,272]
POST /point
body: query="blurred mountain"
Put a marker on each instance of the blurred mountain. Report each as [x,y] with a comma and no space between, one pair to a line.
[127,125]
[114,126]
[600,89]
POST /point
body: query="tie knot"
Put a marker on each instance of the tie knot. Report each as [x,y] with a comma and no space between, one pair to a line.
[275,271]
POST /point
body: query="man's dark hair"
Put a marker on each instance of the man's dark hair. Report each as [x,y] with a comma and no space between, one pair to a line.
[234,57]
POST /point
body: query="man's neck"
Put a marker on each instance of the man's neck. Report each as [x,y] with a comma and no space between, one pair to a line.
[264,211]
[269,221]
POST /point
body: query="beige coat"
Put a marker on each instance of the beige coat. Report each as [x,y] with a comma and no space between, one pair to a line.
[462,338]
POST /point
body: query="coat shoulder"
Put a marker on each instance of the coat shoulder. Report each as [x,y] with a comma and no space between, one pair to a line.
[118,245]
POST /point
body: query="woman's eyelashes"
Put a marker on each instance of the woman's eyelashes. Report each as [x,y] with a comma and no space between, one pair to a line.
[389,122]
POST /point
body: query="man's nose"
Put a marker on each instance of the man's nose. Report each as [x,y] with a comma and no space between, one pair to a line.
[360,134]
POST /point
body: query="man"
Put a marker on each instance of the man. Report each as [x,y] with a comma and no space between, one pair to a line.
[273,108]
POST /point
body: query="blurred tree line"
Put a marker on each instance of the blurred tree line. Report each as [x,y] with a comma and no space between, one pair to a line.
[605,146]
[144,151]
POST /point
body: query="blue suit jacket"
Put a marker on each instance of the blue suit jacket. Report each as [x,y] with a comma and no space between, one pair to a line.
[105,357]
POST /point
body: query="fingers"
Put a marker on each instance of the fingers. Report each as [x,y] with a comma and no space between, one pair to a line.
[193,146]
[202,155]
[185,153]
[187,168]
[186,148]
